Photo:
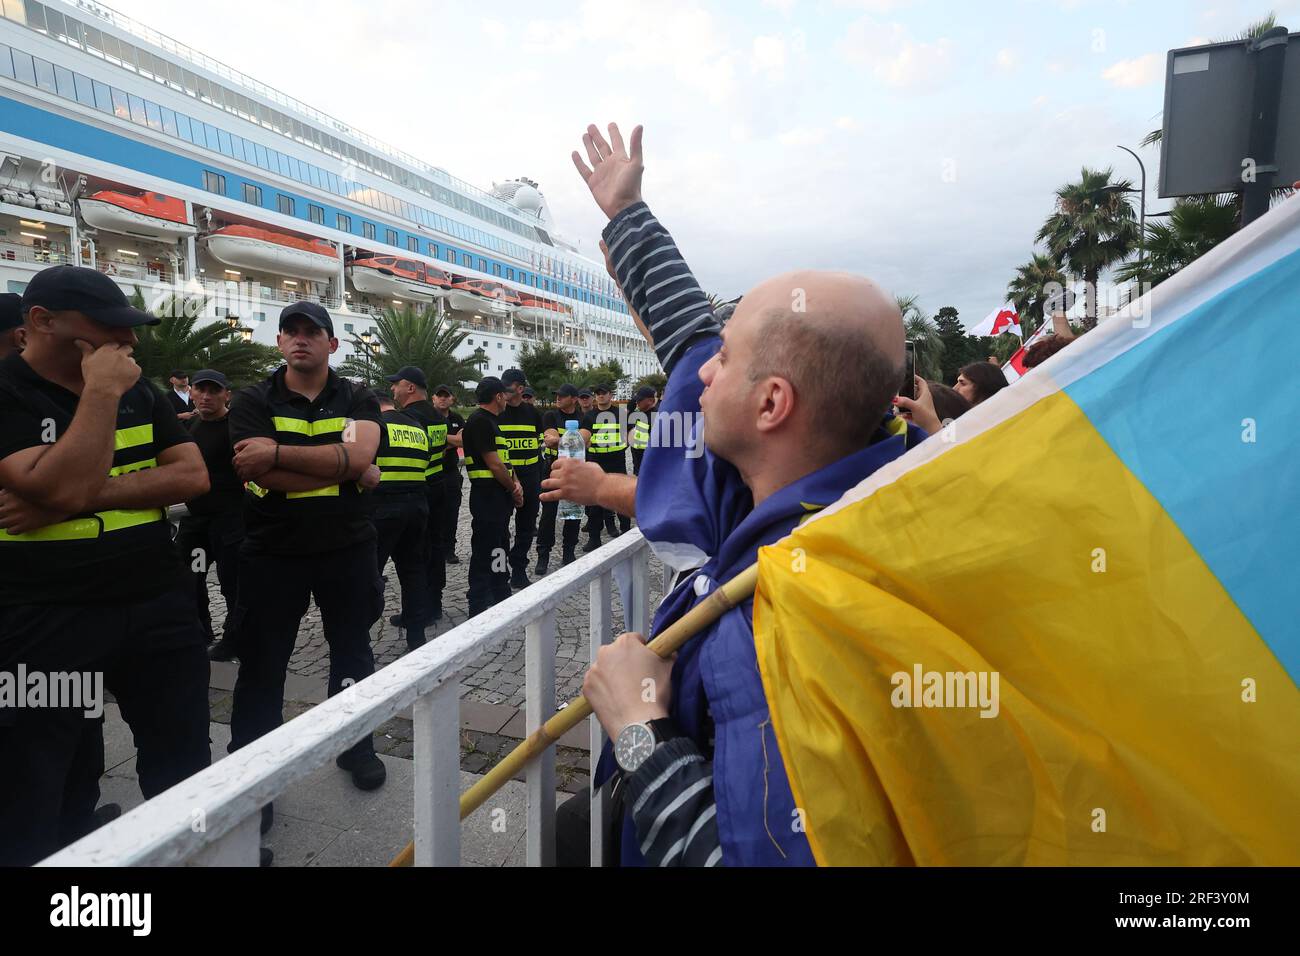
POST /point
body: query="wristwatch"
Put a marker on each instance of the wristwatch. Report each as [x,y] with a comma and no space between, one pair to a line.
[636,742]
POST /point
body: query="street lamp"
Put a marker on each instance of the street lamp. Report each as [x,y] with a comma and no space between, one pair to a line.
[1142,225]
[365,343]
[246,334]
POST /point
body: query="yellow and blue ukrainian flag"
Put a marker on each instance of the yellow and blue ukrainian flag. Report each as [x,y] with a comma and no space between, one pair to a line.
[1116,537]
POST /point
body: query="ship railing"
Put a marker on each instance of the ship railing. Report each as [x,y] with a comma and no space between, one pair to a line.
[129,270]
[20,252]
[213,817]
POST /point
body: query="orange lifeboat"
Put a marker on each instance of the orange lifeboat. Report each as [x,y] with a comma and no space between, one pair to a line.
[482,295]
[259,249]
[395,277]
[146,215]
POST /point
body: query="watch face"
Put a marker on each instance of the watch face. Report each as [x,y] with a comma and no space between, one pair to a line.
[635,744]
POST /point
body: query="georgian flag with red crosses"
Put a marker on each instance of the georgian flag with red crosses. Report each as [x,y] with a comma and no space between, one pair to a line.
[1002,319]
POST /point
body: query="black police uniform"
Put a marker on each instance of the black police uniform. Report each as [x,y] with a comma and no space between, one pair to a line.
[554,418]
[607,449]
[300,545]
[522,426]
[452,480]
[213,529]
[490,508]
[400,512]
[100,592]
[435,565]
[640,424]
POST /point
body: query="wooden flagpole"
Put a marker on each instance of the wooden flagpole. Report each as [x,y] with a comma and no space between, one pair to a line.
[730,595]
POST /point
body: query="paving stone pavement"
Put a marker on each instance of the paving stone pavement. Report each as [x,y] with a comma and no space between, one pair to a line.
[495,678]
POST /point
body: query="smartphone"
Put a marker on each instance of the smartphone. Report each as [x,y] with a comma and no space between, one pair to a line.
[908,388]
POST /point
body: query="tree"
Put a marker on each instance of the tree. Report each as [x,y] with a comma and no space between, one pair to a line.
[656,380]
[609,372]
[1195,226]
[921,330]
[406,337]
[958,347]
[547,365]
[1093,228]
[1031,288]
[179,341]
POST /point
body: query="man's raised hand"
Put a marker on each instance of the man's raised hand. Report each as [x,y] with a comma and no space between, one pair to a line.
[109,367]
[614,176]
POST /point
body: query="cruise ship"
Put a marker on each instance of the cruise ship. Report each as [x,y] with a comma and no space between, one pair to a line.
[134,154]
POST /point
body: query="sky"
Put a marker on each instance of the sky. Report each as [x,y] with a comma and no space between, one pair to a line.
[916,143]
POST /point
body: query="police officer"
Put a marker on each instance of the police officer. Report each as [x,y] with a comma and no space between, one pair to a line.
[12,335]
[213,527]
[305,440]
[494,494]
[400,510]
[530,396]
[411,394]
[91,455]
[585,401]
[605,446]
[566,401]
[443,399]
[521,423]
[640,423]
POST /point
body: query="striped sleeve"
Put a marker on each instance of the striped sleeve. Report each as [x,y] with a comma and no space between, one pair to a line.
[671,799]
[657,283]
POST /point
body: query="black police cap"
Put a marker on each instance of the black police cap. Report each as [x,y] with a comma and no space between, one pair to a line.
[489,389]
[410,374]
[209,375]
[568,390]
[78,289]
[309,310]
[11,311]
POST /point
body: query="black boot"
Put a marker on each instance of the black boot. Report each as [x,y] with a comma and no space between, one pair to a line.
[519,579]
[569,558]
[593,542]
[543,565]
[223,650]
[414,638]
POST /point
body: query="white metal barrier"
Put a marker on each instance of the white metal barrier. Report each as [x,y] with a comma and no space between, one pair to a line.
[212,818]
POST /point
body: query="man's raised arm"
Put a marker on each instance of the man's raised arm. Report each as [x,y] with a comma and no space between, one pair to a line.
[647,265]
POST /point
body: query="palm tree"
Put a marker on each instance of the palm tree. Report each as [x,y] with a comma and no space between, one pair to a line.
[921,330]
[406,337]
[1093,228]
[547,365]
[1028,291]
[181,342]
[1253,31]
[1195,226]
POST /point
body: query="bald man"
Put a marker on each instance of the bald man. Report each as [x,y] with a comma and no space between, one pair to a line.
[703,776]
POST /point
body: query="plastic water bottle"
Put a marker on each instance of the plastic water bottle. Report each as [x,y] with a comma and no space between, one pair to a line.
[572,446]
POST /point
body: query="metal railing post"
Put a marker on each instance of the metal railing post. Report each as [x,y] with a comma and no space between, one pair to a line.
[602,616]
[637,614]
[436,717]
[539,684]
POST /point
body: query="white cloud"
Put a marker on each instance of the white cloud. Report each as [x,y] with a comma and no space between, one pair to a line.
[1006,60]
[895,58]
[1130,74]
[769,56]
[1039,100]
[802,136]
[784,6]
[847,123]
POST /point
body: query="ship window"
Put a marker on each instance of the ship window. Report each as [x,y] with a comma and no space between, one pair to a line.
[176,75]
[210,134]
[85,88]
[469,341]
[153,115]
[111,51]
[344,223]
[450,255]
[136,106]
[252,194]
[314,174]
[316,214]
[223,142]
[413,243]
[285,204]
[35,16]
[408,265]
[390,237]
[347,327]
[496,268]
[44,74]
[368,230]
[261,156]
[214,182]
[182,123]
[63,83]
[6,62]
[510,274]
[120,109]
[482,265]
[237,144]
[465,259]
